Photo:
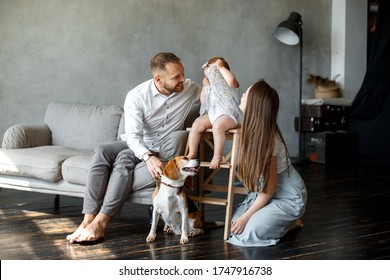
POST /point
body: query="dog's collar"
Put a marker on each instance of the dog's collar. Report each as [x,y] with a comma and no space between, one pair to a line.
[169,185]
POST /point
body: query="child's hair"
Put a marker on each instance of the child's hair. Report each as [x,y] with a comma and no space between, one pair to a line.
[259,129]
[214,59]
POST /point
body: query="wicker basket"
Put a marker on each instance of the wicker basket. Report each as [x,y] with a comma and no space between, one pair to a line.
[326,92]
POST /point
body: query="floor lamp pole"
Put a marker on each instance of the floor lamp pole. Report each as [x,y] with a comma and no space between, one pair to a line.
[300,158]
[300,95]
[290,32]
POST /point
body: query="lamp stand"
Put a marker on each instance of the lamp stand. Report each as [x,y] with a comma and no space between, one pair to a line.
[290,32]
[301,157]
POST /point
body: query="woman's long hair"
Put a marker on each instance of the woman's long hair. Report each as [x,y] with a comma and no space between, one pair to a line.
[259,129]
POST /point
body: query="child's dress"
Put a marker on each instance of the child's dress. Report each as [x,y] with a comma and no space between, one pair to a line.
[220,99]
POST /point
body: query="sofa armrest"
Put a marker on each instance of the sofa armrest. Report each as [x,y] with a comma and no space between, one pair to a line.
[26,136]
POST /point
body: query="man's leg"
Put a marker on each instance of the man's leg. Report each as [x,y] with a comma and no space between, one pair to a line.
[174,145]
[120,183]
[118,188]
[102,163]
[99,172]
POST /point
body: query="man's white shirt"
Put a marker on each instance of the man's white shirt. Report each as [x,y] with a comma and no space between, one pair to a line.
[151,116]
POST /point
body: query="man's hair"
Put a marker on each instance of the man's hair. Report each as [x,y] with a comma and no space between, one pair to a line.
[160,60]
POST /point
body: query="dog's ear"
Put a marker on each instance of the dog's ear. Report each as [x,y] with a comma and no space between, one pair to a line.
[171,170]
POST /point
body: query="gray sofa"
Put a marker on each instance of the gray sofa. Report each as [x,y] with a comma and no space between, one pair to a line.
[53,157]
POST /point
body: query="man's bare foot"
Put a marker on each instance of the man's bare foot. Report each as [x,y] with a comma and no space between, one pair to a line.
[74,236]
[95,230]
[296,224]
[91,233]
[214,164]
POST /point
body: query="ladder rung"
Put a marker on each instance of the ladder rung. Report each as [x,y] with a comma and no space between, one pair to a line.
[223,189]
[214,188]
[209,200]
[221,165]
[236,130]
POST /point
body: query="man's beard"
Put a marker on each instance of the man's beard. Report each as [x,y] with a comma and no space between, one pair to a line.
[177,88]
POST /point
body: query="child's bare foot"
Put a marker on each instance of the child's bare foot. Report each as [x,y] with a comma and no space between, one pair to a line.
[74,236]
[192,155]
[214,164]
[296,224]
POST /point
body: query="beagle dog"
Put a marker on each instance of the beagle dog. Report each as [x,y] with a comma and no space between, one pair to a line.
[170,201]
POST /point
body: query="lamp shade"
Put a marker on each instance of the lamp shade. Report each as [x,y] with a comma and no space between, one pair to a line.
[289,31]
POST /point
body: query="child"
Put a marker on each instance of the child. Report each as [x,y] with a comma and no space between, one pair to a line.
[277,194]
[219,109]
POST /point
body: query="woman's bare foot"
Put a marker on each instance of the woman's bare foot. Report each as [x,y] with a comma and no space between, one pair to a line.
[95,230]
[296,224]
[87,220]
[214,164]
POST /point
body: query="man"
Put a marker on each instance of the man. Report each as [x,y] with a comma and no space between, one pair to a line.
[154,113]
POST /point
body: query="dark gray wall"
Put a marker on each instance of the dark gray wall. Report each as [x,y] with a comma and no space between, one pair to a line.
[95,51]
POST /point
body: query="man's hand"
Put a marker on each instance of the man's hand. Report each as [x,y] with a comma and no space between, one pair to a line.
[155,167]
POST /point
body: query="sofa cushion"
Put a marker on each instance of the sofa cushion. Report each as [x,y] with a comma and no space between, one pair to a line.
[82,126]
[75,169]
[42,162]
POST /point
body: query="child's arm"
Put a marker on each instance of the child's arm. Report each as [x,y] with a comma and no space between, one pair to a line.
[205,84]
[227,74]
[262,199]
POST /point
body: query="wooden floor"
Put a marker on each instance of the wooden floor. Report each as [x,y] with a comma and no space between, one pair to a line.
[347,217]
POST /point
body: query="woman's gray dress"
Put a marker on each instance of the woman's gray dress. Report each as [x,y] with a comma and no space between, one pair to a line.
[270,223]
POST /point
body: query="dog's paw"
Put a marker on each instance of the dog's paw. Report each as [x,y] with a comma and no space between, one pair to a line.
[167,229]
[151,238]
[183,240]
[195,232]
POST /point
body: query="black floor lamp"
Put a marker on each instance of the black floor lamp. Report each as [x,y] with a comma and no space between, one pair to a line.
[289,32]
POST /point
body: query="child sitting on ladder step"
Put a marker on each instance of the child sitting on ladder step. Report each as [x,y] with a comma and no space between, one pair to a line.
[220,99]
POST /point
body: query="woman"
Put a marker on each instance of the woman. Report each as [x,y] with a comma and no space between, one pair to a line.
[277,195]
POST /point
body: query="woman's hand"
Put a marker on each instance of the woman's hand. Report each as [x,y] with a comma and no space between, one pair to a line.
[238,225]
[155,167]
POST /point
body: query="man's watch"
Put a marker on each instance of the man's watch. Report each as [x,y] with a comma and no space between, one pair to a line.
[146,157]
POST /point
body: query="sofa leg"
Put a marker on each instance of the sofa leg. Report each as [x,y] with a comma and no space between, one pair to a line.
[57,202]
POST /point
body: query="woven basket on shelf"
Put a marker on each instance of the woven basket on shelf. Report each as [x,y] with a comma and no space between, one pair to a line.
[326,92]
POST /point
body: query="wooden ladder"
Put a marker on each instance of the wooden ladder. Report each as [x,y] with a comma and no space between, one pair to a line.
[206,188]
